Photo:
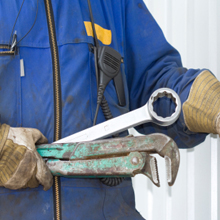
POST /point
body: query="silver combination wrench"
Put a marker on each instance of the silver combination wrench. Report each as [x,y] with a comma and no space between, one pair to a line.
[128,120]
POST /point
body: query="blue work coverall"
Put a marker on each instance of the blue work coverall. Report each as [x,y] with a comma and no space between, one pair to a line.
[60,42]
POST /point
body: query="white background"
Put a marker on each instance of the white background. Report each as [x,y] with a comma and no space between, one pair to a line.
[191,26]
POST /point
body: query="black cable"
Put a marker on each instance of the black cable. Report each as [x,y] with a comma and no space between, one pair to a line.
[96,46]
[93,25]
[96,66]
[104,105]
[29,29]
[97,83]
[96,114]
[31,26]
[113,181]
[15,23]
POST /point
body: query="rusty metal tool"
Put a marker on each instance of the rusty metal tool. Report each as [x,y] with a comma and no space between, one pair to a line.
[134,118]
[124,157]
[79,156]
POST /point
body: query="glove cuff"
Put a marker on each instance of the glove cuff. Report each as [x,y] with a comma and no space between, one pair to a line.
[202,107]
[218,123]
[4,129]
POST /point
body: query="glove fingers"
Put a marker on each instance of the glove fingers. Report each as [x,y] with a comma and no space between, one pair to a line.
[43,174]
[26,137]
[10,158]
[20,164]
[23,172]
[38,137]
[33,182]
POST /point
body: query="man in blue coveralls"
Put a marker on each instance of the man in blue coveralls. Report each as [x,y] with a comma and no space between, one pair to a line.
[55,95]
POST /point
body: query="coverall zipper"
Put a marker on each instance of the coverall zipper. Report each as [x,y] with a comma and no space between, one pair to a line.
[57,99]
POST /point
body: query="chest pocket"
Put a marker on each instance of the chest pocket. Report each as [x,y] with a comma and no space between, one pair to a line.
[10,88]
[10,78]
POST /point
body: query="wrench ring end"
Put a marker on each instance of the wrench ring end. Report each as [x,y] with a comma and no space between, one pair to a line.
[169,93]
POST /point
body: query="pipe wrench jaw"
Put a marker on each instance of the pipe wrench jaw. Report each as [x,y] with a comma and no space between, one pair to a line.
[150,169]
[166,148]
[172,159]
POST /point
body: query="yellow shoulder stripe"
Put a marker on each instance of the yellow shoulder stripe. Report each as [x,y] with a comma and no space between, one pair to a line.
[104,35]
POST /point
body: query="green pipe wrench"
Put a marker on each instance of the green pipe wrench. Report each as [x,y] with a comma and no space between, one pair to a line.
[115,157]
[80,156]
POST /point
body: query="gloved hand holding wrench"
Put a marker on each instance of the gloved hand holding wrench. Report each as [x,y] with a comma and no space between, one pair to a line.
[79,156]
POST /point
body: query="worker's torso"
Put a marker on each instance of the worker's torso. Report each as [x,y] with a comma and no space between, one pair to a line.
[27,97]
[28,100]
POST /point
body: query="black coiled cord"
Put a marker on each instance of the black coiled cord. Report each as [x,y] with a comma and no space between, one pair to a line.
[112,181]
[100,95]
[101,101]
[105,109]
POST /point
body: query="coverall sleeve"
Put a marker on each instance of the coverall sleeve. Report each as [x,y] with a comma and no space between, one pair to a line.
[152,63]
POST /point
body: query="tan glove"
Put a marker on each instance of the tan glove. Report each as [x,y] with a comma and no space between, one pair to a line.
[202,108]
[20,164]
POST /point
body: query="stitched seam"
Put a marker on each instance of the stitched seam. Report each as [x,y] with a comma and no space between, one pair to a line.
[7,52]
[4,47]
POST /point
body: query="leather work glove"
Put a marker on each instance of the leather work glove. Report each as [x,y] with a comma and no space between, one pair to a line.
[202,108]
[20,164]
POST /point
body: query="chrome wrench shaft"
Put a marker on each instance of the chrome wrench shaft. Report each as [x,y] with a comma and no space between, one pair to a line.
[131,119]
